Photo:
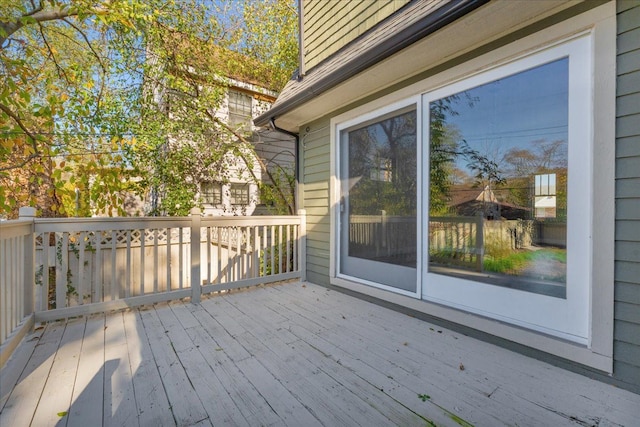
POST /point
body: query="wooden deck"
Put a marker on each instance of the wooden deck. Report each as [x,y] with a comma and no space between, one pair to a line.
[291,354]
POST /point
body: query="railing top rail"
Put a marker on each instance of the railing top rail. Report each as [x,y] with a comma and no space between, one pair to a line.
[15,228]
[136,223]
[244,221]
[455,218]
[105,224]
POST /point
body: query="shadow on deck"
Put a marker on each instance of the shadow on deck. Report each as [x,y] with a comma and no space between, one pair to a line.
[292,354]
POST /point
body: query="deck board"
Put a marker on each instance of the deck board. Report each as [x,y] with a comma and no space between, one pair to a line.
[88,389]
[287,355]
[21,405]
[151,400]
[57,393]
[119,397]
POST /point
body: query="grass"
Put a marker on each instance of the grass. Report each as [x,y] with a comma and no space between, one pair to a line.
[516,261]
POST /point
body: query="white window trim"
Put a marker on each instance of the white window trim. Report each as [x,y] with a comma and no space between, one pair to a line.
[568,317]
[600,22]
[335,212]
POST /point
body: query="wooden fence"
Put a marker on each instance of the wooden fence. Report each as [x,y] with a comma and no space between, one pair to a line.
[383,237]
[457,241]
[55,268]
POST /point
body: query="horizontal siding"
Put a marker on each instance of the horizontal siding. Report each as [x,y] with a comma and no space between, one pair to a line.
[629,187]
[315,199]
[627,292]
[630,372]
[628,147]
[330,25]
[626,105]
[626,351]
[628,251]
[628,332]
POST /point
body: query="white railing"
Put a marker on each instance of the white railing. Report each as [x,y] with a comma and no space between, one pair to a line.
[78,266]
[16,267]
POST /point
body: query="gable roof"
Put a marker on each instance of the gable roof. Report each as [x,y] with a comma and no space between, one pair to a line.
[416,21]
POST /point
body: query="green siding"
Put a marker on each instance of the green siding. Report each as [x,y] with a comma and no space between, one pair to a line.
[330,25]
[627,258]
[315,199]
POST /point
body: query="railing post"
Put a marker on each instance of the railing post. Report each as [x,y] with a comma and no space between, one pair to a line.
[302,245]
[479,241]
[29,213]
[196,284]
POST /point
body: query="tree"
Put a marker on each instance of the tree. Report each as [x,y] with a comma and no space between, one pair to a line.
[61,100]
[73,98]
[187,80]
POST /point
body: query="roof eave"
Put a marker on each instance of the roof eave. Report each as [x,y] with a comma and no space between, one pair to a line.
[400,40]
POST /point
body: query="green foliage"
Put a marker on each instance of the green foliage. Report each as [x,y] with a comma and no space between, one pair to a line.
[80,88]
[279,195]
[514,262]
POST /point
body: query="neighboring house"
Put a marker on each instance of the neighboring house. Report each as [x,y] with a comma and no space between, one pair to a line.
[552,88]
[472,202]
[237,192]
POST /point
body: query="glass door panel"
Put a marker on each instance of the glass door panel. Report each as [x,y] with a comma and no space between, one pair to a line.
[498,181]
[378,170]
[506,234]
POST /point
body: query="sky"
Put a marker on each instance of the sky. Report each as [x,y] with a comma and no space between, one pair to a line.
[514,111]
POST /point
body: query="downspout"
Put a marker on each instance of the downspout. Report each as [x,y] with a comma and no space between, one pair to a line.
[296,163]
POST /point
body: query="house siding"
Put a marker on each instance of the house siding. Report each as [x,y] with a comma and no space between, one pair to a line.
[626,348]
[329,26]
[315,198]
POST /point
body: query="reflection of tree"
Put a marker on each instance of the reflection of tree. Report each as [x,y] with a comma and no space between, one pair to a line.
[446,146]
[389,145]
[543,157]
[442,153]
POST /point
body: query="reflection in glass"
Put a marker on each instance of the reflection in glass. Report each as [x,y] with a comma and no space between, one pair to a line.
[381,194]
[498,181]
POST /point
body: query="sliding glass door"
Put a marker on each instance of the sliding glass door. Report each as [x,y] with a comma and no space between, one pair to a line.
[378,203]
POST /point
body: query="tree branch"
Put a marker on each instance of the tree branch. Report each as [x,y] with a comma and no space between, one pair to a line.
[16,119]
[86,39]
[39,15]
[260,162]
[61,73]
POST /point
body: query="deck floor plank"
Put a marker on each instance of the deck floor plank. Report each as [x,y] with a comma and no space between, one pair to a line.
[216,402]
[57,393]
[272,389]
[25,397]
[280,356]
[384,368]
[470,396]
[254,408]
[150,397]
[287,355]
[215,397]
[88,389]
[362,402]
[18,361]
[483,360]
[119,397]
[183,399]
